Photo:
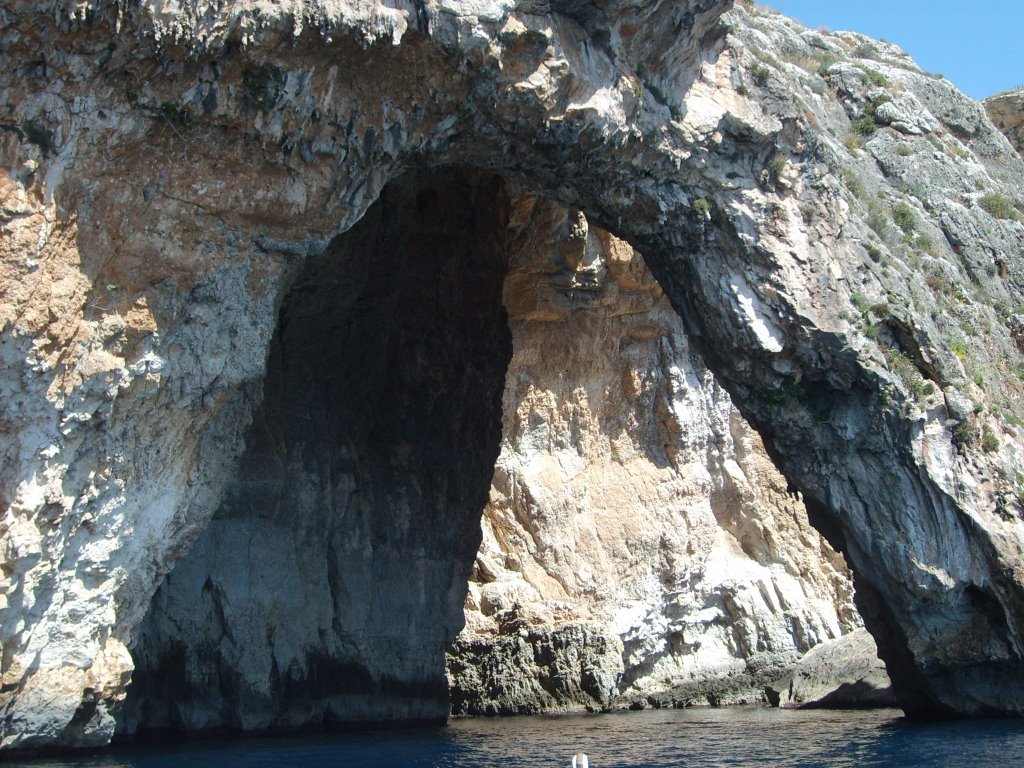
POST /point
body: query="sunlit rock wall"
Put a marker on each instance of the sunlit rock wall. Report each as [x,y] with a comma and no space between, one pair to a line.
[639,546]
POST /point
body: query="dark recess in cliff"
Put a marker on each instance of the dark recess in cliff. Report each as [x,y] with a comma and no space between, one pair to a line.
[332,577]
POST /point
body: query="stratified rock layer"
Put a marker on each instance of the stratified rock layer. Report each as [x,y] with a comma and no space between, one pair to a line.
[638,546]
[835,227]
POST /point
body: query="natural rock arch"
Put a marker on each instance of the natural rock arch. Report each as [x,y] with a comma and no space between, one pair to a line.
[166,186]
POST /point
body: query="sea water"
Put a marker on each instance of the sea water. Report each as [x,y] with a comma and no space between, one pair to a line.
[704,738]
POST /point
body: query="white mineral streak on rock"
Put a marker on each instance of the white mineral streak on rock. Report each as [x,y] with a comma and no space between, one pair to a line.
[752,312]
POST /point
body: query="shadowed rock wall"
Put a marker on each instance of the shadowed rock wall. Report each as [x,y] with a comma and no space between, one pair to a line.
[331,578]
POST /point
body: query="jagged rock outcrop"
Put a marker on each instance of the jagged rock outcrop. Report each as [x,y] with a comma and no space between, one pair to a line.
[835,227]
[1006,111]
[639,547]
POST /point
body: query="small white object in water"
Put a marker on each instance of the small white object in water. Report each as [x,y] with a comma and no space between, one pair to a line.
[579,760]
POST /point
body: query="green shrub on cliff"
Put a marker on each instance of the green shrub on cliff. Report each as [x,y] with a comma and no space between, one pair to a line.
[998,206]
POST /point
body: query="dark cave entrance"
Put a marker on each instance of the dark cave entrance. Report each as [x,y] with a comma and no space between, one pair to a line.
[332,577]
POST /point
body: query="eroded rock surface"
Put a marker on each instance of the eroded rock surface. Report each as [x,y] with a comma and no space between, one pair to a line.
[818,210]
[330,580]
[639,547]
[844,672]
[1007,112]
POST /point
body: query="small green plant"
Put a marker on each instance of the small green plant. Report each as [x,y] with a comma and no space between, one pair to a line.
[959,349]
[263,86]
[875,78]
[926,244]
[874,252]
[177,115]
[989,441]
[905,368]
[964,434]
[864,126]
[701,209]
[998,206]
[939,284]
[904,150]
[761,75]
[825,64]
[884,396]
[903,215]
[656,93]
[863,305]
[853,183]
[866,51]
[776,166]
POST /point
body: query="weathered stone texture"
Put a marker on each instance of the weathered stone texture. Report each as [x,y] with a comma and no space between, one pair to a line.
[639,547]
[1007,113]
[331,578]
[168,167]
[844,672]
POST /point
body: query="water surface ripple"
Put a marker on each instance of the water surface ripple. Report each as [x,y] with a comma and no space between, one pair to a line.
[696,738]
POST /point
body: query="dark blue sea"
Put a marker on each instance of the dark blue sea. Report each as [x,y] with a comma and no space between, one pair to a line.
[695,738]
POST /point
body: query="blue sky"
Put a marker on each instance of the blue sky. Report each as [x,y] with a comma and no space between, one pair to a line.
[977,44]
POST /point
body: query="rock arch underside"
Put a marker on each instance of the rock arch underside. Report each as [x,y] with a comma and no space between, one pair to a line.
[210,216]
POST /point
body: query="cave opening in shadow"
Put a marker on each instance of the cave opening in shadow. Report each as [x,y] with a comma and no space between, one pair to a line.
[332,577]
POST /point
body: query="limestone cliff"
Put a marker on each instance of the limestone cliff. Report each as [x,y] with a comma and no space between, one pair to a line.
[638,546]
[838,231]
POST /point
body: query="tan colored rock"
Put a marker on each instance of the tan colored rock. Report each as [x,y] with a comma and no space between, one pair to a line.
[639,545]
[1006,111]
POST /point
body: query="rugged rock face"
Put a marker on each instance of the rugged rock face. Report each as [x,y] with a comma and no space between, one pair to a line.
[639,547]
[835,227]
[1007,113]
